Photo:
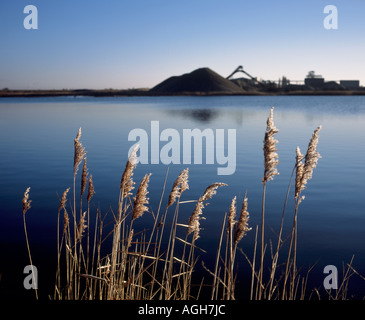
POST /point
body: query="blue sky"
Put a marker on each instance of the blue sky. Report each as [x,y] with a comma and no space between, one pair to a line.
[138,43]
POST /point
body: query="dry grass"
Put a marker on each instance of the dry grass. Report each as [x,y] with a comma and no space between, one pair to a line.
[119,262]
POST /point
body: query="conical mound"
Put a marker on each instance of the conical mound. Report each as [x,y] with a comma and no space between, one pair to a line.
[203,80]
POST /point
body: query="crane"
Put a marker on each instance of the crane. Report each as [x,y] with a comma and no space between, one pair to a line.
[240,69]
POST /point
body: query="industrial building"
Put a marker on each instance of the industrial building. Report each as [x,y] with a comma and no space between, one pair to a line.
[350,84]
[312,82]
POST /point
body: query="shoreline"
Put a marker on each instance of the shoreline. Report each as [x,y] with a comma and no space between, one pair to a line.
[144,92]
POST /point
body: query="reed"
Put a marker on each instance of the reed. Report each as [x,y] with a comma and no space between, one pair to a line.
[194,221]
[141,200]
[118,261]
[26,206]
[62,206]
[270,163]
[304,172]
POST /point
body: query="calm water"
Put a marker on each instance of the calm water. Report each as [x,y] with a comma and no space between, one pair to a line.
[36,145]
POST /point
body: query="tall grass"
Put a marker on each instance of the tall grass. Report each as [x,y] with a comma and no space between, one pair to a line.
[26,206]
[119,262]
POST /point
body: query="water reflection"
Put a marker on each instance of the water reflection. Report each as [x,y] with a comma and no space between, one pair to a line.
[200,115]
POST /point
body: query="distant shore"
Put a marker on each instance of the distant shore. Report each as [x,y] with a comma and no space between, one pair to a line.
[145,92]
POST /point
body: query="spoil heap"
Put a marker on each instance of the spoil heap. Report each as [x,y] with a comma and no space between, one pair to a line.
[200,81]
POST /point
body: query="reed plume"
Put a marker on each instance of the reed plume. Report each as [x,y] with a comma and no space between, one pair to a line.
[81,226]
[63,199]
[194,224]
[298,173]
[130,237]
[91,191]
[194,220]
[232,215]
[179,186]
[66,221]
[271,157]
[311,160]
[26,202]
[84,177]
[140,200]
[79,153]
[127,183]
[242,224]
[211,190]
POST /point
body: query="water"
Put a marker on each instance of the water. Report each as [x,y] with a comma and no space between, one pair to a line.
[37,150]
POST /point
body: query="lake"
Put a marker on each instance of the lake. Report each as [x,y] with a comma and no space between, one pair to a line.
[37,145]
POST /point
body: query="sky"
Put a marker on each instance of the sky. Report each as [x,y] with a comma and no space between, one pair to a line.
[125,44]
